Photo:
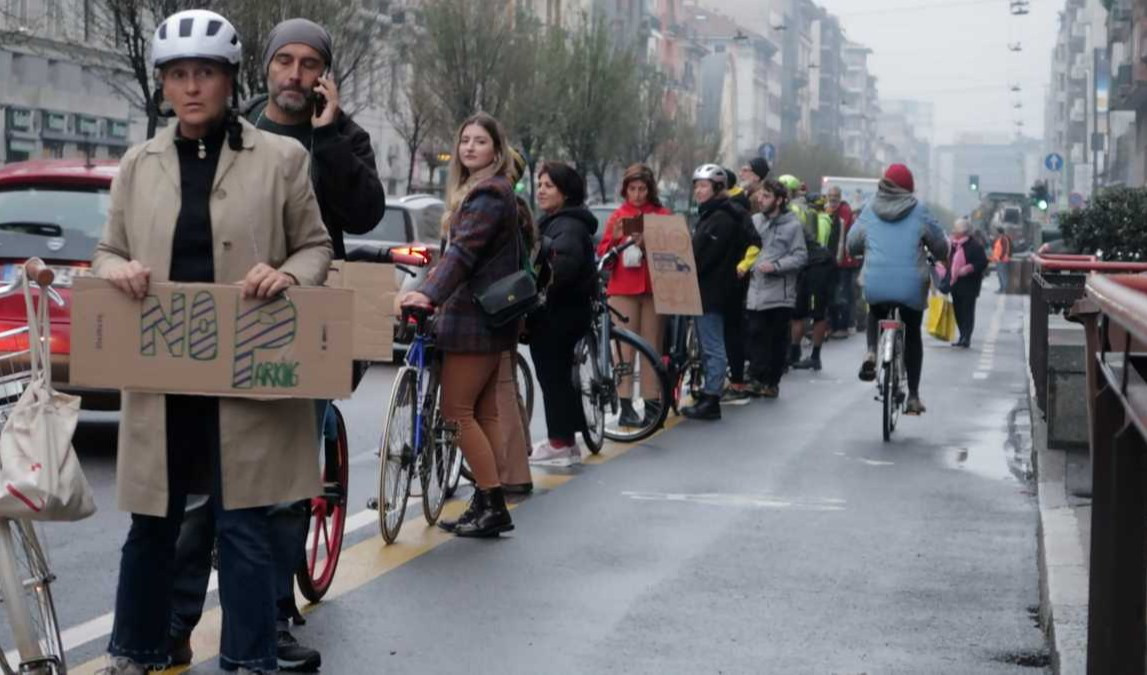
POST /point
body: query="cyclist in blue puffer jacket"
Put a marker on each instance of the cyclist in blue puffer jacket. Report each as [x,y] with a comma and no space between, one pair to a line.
[892,235]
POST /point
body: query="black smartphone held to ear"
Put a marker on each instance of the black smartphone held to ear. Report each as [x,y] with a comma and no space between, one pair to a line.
[318,99]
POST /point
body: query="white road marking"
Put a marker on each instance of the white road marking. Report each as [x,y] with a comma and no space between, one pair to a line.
[761,501]
[988,356]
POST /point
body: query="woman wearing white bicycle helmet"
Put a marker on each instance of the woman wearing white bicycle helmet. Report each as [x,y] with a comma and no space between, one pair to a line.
[211,200]
[719,243]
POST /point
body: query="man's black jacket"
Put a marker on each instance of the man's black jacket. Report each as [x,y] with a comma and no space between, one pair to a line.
[343,173]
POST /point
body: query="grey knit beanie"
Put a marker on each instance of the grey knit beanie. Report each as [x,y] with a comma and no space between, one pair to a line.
[302,31]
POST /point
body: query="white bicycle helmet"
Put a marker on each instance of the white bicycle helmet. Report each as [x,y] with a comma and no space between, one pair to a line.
[710,172]
[195,34]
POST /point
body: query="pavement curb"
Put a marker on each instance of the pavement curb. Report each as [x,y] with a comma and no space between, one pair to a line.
[1063,572]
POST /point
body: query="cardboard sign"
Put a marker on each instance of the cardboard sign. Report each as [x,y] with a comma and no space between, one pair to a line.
[669,251]
[375,288]
[205,339]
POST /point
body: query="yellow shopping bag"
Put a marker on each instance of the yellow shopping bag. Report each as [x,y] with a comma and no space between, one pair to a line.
[941,321]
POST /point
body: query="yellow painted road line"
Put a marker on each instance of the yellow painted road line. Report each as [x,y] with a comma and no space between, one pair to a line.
[370,559]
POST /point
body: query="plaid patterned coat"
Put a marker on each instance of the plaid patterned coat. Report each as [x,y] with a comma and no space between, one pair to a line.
[482,250]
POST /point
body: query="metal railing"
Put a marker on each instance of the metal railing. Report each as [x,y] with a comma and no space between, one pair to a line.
[1115,314]
[1057,283]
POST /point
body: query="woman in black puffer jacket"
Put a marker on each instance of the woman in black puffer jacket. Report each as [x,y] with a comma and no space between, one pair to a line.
[567,229]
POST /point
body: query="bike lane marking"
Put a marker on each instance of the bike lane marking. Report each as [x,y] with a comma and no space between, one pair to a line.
[360,564]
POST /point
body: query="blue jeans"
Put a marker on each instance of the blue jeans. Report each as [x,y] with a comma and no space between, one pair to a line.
[1002,273]
[144,599]
[289,523]
[711,329]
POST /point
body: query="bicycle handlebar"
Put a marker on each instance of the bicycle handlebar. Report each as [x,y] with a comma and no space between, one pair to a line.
[36,270]
[612,254]
[420,316]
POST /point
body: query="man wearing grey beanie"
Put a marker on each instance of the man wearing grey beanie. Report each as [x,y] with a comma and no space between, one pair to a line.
[303,103]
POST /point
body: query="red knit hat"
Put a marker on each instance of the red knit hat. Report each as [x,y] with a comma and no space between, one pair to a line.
[901,176]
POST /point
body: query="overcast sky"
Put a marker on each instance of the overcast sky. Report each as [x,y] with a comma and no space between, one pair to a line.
[955,54]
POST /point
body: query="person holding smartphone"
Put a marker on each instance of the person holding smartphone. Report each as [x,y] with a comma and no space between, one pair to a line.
[302,103]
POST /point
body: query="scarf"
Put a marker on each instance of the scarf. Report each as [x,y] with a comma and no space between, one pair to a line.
[959,260]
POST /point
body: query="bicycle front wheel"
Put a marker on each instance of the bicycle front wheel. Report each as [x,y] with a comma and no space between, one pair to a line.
[641,387]
[25,582]
[397,453]
[436,461]
[589,383]
[328,517]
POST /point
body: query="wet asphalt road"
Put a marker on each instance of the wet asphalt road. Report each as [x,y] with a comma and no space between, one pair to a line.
[785,539]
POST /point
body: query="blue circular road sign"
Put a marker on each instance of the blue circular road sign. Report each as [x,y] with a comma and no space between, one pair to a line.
[1075,200]
[768,152]
[1053,162]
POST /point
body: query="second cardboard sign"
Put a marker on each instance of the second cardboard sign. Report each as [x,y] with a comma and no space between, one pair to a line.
[672,269]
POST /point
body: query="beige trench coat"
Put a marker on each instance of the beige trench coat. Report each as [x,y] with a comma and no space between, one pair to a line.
[263,209]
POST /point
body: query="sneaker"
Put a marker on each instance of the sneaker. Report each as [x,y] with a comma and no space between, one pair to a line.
[294,657]
[545,453]
[868,369]
[735,395]
[771,391]
[180,653]
[757,388]
[122,665]
[914,406]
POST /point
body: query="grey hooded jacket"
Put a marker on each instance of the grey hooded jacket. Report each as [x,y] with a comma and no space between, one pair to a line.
[782,244]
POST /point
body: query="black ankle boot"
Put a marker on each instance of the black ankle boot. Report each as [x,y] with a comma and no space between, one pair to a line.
[468,515]
[628,417]
[492,517]
[652,412]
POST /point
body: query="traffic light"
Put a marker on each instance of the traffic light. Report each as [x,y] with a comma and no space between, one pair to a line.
[974,183]
[1040,196]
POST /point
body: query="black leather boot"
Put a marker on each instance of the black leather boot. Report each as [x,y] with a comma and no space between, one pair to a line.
[471,509]
[652,411]
[708,408]
[491,519]
[628,417]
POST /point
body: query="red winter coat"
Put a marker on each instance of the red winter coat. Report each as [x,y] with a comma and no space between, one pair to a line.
[627,280]
[847,218]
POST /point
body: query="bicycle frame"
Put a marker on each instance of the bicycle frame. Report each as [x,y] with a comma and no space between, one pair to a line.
[416,358]
[602,327]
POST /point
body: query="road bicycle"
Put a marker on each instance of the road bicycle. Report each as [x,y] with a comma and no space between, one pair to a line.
[415,438]
[328,511]
[610,359]
[890,378]
[25,573]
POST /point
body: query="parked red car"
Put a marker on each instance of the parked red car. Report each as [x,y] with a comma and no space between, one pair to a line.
[54,209]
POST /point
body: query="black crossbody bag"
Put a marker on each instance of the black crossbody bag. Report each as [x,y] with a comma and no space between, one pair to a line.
[513,296]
